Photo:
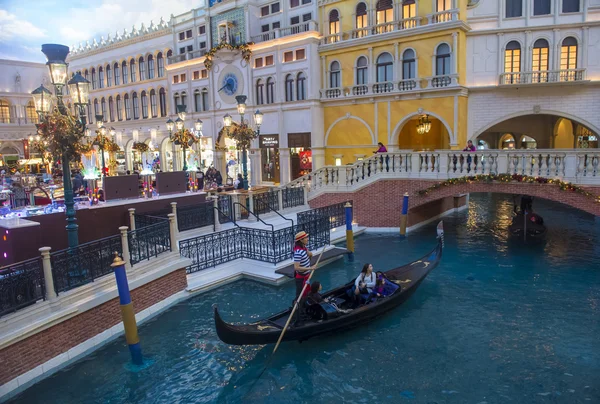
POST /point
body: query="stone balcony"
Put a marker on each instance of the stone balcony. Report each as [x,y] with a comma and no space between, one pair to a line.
[307,26]
[542,77]
[186,56]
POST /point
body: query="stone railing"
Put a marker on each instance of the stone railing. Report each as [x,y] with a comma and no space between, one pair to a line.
[541,77]
[442,16]
[286,31]
[579,166]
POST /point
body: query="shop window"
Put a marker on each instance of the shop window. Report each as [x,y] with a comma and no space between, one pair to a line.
[269,150]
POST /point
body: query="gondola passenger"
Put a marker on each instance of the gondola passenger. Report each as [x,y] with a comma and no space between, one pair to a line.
[302,266]
[314,297]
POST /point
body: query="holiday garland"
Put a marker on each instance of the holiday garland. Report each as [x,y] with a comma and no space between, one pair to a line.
[241,133]
[140,147]
[489,178]
[244,48]
[185,137]
[62,135]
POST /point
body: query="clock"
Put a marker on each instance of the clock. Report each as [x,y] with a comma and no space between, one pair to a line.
[229,84]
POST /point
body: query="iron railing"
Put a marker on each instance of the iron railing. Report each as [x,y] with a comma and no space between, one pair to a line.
[241,242]
[196,216]
[21,284]
[151,219]
[149,241]
[225,209]
[292,197]
[264,202]
[83,264]
[335,214]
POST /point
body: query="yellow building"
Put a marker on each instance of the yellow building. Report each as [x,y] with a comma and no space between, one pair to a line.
[393,72]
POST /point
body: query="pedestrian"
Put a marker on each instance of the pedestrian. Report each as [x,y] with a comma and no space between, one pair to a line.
[302,265]
[381,149]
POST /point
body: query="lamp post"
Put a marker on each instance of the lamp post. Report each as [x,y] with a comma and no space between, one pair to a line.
[42,97]
[181,137]
[244,143]
[198,127]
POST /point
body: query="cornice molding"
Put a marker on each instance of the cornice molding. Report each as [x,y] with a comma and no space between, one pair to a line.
[532,28]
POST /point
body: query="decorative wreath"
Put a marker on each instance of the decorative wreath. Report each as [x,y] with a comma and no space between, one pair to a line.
[244,48]
[140,147]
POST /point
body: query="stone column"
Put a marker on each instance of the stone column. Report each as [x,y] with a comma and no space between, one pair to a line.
[251,218]
[318,158]
[173,233]
[255,171]
[216,212]
[175,159]
[48,277]
[125,247]
[132,218]
[280,198]
[174,211]
[284,165]
[220,162]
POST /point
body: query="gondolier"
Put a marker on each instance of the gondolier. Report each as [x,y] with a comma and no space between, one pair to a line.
[302,258]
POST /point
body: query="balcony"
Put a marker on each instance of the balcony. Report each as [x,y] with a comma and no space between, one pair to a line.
[542,77]
[395,26]
[287,31]
[391,87]
[186,56]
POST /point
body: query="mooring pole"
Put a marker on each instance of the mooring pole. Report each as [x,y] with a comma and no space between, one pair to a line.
[404,215]
[349,231]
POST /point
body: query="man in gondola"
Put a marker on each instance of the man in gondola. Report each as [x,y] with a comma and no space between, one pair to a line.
[302,266]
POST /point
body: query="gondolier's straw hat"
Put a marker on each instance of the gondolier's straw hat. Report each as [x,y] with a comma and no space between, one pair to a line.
[301,235]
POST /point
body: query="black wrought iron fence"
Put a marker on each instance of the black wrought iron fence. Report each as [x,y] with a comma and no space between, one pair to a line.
[241,242]
[335,214]
[195,216]
[149,241]
[82,264]
[292,197]
[150,219]
[264,202]
[226,206]
[21,284]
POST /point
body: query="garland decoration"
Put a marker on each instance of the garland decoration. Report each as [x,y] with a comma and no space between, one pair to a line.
[140,147]
[489,178]
[185,137]
[244,48]
[241,133]
[62,135]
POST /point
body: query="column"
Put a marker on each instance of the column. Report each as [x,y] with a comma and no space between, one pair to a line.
[556,51]
[174,211]
[455,52]
[318,158]
[525,55]
[584,48]
[125,247]
[284,165]
[132,218]
[254,157]
[501,50]
[173,233]
[216,213]
[48,277]
[324,72]
[219,161]
[372,69]
[396,73]
[175,159]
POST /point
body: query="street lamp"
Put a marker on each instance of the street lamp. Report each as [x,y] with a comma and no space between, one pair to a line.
[42,97]
[245,127]
[181,136]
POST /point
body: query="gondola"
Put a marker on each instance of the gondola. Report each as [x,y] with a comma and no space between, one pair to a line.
[267,331]
[532,224]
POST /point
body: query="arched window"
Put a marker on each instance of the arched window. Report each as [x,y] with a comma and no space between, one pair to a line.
[162,100]
[125,72]
[334,75]
[169,53]
[204,99]
[86,75]
[103,105]
[197,101]
[270,90]
[184,98]
[30,113]
[301,87]
[409,9]
[96,107]
[161,64]
[117,72]
[111,109]
[442,60]
[568,59]
[132,70]
[361,71]
[384,14]
[334,22]
[127,106]
[260,87]
[136,105]
[408,64]
[4,111]
[150,67]
[153,109]
[289,88]
[361,18]
[512,57]
[144,98]
[142,67]
[119,108]
[94,79]
[385,68]
[108,76]
[90,118]
[176,100]
[539,62]
[100,77]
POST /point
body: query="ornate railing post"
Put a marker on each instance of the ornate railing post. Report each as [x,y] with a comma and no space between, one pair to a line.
[132,218]
[174,211]
[235,209]
[502,164]
[280,198]
[173,232]
[216,213]
[48,277]
[251,218]
[125,247]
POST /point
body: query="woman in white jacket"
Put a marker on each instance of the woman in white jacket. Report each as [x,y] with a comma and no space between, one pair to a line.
[365,281]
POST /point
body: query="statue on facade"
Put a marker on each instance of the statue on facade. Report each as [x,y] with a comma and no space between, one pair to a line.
[18,83]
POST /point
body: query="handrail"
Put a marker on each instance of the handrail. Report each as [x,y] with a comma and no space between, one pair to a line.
[273,210]
[224,214]
[252,213]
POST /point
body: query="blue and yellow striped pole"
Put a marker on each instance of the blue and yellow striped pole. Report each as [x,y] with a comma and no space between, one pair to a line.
[131,333]
[404,216]
[349,232]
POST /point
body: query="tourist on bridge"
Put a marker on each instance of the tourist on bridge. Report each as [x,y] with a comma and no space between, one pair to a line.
[381,149]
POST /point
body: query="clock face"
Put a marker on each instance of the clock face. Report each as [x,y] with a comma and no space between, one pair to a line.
[229,84]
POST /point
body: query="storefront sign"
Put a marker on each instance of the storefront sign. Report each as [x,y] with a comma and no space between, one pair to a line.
[268,141]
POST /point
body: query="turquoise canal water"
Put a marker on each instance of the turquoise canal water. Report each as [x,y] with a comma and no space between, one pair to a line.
[496,322]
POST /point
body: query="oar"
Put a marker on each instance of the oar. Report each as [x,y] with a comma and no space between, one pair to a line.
[286,324]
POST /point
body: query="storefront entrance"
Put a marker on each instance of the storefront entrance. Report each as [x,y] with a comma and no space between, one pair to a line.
[269,157]
[300,154]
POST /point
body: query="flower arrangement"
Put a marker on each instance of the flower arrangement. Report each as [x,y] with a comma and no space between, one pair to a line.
[244,48]
[140,147]
[241,133]
[186,137]
[489,178]
[62,135]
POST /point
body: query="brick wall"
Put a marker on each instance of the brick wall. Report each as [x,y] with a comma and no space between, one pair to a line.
[380,204]
[45,345]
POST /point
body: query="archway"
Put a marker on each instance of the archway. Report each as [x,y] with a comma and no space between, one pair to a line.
[344,147]
[406,136]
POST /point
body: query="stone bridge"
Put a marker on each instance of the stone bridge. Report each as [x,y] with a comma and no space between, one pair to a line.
[377,185]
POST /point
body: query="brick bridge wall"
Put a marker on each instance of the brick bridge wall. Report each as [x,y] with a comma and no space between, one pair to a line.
[379,204]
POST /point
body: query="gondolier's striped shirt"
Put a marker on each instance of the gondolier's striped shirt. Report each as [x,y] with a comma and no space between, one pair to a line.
[301,256]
